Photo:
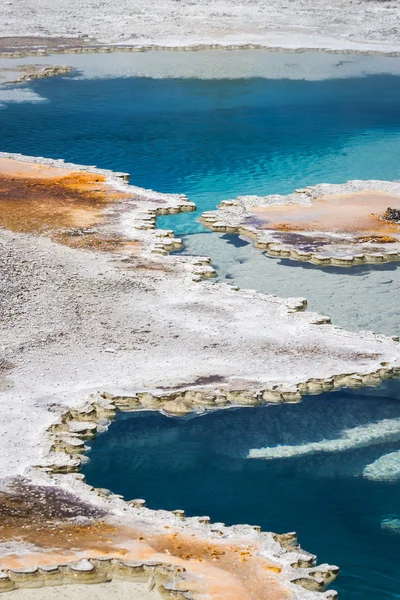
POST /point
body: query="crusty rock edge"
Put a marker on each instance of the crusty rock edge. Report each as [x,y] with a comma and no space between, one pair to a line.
[230,217]
[31,72]
[67,439]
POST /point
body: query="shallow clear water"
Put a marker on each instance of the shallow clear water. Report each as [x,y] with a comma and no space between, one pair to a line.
[330,487]
[360,298]
[214,139]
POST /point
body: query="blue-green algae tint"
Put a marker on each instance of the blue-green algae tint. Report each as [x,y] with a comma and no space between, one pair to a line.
[215,139]
[317,473]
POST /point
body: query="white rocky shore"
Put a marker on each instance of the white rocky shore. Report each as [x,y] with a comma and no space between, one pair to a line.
[77,322]
[365,25]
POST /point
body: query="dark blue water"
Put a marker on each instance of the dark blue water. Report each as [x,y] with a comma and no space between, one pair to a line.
[202,464]
[215,139]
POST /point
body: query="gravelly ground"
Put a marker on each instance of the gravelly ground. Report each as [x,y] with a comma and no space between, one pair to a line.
[74,321]
[372,24]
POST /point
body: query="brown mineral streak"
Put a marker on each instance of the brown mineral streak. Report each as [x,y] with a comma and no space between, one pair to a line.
[43,199]
[342,213]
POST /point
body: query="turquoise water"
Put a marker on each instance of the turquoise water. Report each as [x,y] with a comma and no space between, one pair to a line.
[215,139]
[360,298]
[340,500]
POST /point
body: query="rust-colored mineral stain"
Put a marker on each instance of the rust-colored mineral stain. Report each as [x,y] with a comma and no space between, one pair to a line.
[357,212]
[216,569]
[230,571]
[219,571]
[65,205]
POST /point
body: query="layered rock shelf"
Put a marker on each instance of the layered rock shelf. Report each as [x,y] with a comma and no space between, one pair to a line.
[327,224]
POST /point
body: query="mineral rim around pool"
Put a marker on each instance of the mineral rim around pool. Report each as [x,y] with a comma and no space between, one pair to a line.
[50,538]
[326,224]
[92,301]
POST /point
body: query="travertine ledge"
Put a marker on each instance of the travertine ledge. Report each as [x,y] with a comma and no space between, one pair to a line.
[282,565]
[85,206]
[31,72]
[327,224]
[178,555]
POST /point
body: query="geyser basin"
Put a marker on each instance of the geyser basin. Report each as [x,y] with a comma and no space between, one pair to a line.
[176,122]
[328,467]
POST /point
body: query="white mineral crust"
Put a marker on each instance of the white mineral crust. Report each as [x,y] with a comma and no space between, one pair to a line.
[367,25]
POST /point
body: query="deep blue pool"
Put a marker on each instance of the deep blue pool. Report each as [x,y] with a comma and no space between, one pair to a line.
[215,139]
[328,468]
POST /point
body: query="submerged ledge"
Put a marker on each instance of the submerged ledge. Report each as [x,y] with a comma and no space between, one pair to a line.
[216,64]
[326,224]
